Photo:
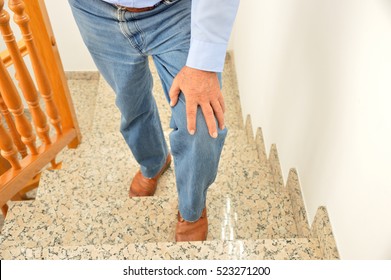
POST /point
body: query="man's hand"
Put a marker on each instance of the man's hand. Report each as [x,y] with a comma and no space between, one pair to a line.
[201,88]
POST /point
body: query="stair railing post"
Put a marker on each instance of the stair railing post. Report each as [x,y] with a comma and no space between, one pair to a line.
[7,147]
[22,74]
[47,50]
[14,104]
[11,127]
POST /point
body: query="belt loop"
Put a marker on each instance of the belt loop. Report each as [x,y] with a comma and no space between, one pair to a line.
[119,7]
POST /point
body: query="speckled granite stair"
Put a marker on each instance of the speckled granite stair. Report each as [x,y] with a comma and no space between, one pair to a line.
[84,94]
[104,158]
[103,164]
[92,220]
[235,181]
[263,249]
[83,211]
[103,155]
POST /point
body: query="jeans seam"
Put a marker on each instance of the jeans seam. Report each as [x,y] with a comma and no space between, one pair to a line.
[183,99]
[142,35]
[127,34]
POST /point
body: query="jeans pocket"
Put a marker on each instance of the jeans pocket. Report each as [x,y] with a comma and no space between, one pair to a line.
[75,3]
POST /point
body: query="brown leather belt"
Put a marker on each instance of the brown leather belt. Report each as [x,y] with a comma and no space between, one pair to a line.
[139,10]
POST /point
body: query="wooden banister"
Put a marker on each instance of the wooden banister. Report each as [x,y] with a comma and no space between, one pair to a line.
[20,175]
[7,147]
[11,127]
[48,52]
[25,81]
[22,19]
[4,165]
[14,104]
[6,57]
[13,181]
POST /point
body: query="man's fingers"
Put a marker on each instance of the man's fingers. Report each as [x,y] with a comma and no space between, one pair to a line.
[200,88]
[209,119]
[221,101]
[174,93]
[191,115]
[219,113]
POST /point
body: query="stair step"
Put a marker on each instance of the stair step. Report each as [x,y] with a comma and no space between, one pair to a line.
[111,146]
[262,249]
[84,94]
[89,167]
[105,219]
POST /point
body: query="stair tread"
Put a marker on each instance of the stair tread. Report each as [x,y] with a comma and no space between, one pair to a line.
[266,249]
[103,144]
[84,220]
[104,168]
[84,94]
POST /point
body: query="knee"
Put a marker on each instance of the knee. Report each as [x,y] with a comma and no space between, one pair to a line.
[201,140]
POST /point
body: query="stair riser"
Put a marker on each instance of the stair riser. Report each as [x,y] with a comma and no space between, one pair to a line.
[290,249]
[107,220]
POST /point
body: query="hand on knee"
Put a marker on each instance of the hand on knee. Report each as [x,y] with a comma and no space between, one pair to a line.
[200,88]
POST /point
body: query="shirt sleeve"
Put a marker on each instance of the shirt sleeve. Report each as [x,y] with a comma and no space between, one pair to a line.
[211,25]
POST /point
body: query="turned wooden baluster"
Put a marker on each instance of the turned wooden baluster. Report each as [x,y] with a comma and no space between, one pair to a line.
[14,104]
[22,19]
[7,147]
[23,76]
[11,127]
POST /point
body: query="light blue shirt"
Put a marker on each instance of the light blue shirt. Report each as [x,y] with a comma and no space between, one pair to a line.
[211,25]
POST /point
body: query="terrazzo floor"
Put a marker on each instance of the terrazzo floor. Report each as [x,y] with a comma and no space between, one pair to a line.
[83,210]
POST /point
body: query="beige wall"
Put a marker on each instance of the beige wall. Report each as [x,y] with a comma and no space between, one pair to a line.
[74,54]
[316,76]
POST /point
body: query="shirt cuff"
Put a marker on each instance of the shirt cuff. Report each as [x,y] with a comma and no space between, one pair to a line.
[206,56]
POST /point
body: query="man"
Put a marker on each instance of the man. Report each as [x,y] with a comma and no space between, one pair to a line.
[187,41]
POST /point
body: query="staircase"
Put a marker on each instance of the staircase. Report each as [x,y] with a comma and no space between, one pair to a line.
[83,211]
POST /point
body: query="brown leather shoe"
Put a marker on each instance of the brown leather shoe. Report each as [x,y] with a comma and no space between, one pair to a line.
[195,231]
[142,186]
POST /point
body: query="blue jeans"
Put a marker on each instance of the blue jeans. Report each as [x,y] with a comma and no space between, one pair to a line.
[120,43]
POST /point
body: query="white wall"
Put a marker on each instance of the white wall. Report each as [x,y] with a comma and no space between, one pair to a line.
[316,76]
[74,54]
